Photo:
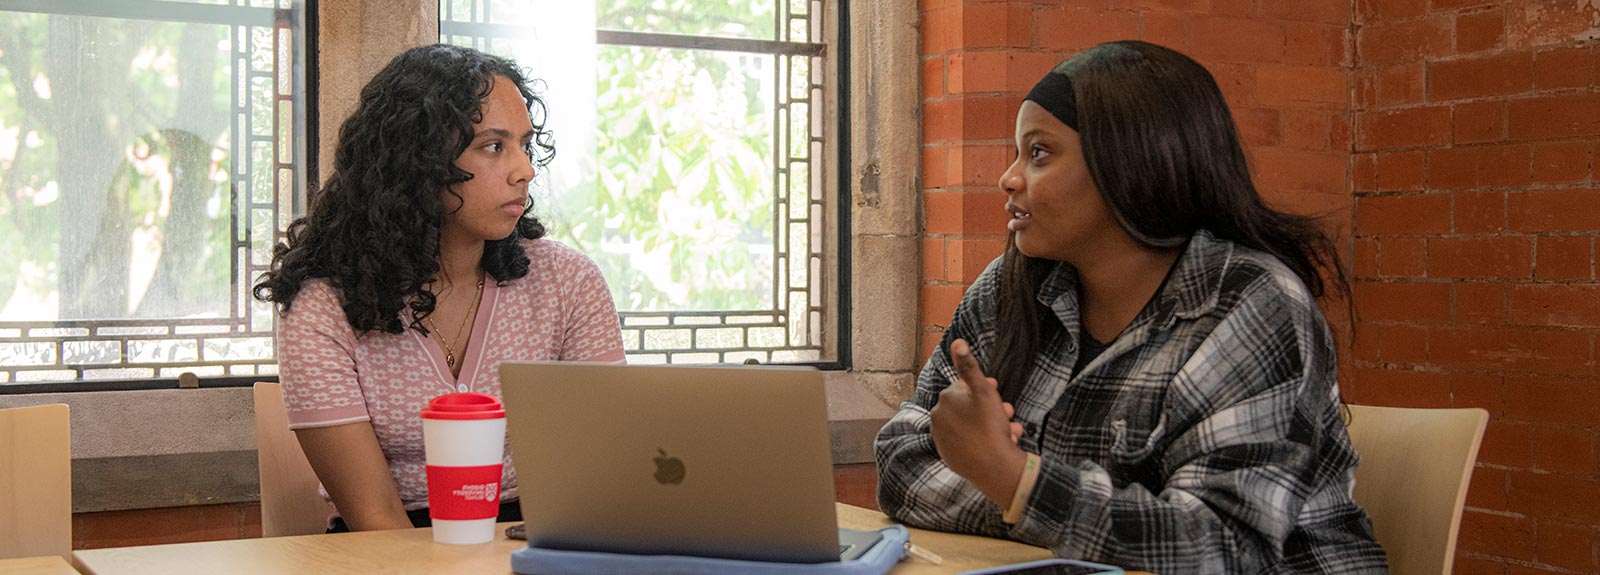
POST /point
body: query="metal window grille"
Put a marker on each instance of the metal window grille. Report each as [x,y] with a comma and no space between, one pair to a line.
[266,116]
[792,330]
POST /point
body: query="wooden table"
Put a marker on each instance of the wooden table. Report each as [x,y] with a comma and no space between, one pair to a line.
[413,551]
[48,565]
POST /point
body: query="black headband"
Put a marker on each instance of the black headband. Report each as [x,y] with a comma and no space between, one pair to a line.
[1054,94]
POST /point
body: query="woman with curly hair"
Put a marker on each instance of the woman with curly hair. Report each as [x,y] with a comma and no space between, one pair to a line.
[418,270]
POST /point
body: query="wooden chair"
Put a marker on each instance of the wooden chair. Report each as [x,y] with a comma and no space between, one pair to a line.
[1412,481]
[290,504]
[35,481]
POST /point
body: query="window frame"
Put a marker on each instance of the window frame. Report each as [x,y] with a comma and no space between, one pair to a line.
[304,68]
[834,54]
[836,326]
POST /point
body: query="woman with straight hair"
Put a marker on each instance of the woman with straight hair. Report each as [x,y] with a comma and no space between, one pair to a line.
[419,269]
[1144,377]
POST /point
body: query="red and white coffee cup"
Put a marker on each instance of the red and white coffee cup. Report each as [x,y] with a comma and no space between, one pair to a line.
[463,436]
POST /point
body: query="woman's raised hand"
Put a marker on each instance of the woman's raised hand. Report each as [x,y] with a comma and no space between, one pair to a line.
[973,432]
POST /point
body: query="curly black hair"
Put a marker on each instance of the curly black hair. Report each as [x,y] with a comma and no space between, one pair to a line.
[373,228]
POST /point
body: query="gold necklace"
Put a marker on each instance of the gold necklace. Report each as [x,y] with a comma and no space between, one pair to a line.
[450,352]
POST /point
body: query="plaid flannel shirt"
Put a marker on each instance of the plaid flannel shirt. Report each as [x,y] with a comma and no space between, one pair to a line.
[1207,438]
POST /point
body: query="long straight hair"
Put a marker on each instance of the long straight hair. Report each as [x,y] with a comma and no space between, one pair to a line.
[1160,143]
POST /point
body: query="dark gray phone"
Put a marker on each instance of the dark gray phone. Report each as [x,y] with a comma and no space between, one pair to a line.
[1049,567]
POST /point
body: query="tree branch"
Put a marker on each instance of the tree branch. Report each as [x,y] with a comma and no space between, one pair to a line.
[8,182]
[21,75]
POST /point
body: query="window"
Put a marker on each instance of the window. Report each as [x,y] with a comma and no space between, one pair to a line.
[693,164]
[150,152]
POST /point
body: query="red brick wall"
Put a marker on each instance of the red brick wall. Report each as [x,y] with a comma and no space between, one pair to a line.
[1477,138]
[1282,65]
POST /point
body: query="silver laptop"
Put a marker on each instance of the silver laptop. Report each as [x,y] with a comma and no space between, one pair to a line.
[730,462]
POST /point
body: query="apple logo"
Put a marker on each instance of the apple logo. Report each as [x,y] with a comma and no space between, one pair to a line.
[669,470]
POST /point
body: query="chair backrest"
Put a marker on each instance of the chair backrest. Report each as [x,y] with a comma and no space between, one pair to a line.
[1412,480]
[290,504]
[35,481]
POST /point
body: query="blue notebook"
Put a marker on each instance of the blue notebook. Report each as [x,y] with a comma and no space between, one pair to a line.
[877,559]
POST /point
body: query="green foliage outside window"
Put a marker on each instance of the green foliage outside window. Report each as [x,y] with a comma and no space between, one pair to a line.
[678,207]
[114,163]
